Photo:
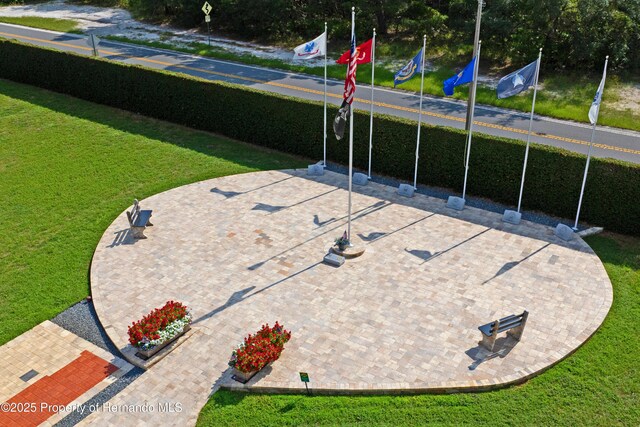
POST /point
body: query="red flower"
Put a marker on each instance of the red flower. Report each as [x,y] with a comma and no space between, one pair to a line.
[260,349]
[155,321]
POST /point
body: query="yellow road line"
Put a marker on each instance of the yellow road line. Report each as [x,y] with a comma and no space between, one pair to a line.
[317,92]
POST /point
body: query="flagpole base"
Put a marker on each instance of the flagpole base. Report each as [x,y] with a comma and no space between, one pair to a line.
[349,252]
[512,217]
[456,203]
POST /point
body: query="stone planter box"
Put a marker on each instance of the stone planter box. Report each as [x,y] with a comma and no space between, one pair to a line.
[146,354]
[244,377]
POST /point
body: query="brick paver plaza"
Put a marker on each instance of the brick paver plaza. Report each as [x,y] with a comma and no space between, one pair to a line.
[244,250]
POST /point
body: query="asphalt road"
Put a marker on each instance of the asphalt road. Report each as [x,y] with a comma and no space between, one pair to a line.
[608,142]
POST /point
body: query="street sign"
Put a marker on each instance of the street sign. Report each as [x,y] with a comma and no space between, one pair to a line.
[304,377]
[207,18]
[206,8]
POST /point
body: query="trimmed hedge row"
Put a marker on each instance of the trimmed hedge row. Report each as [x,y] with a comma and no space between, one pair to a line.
[554,176]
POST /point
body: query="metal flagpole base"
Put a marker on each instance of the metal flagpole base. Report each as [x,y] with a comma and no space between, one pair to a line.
[512,217]
[456,203]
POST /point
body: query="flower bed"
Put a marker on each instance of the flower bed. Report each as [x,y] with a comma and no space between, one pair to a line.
[159,326]
[260,349]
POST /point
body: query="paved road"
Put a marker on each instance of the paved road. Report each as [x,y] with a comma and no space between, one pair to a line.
[609,142]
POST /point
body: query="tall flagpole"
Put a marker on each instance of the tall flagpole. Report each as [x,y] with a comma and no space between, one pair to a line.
[353,25]
[325,94]
[373,67]
[593,132]
[473,105]
[533,107]
[415,174]
[476,48]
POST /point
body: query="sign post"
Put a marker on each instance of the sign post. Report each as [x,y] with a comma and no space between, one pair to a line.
[304,377]
[206,8]
[93,41]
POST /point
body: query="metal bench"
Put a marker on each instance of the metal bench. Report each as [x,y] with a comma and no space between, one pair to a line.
[513,325]
[138,220]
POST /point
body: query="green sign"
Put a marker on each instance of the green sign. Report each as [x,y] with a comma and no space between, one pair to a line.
[304,377]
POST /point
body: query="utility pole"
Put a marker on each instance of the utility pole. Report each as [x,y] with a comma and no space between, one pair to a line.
[472,89]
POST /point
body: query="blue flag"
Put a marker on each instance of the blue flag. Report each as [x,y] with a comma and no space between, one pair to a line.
[464,76]
[516,82]
[414,66]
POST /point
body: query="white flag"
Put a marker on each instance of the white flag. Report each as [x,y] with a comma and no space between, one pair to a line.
[315,47]
[595,105]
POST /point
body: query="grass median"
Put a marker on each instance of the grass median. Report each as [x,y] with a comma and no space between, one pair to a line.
[68,168]
[53,24]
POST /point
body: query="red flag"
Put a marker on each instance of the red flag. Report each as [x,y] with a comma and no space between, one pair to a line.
[350,81]
[363,53]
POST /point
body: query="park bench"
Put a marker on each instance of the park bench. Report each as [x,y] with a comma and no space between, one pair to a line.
[513,325]
[139,220]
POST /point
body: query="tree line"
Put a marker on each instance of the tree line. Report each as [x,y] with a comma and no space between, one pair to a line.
[573,33]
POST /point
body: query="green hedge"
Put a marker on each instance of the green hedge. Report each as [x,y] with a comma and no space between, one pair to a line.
[292,125]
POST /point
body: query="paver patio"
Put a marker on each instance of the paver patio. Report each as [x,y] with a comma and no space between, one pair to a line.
[244,250]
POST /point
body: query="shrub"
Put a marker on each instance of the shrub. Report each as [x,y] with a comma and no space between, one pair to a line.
[292,125]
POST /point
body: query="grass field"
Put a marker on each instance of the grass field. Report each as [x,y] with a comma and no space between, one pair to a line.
[597,386]
[563,96]
[53,24]
[68,168]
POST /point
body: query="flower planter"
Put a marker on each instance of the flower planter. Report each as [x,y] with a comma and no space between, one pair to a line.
[146,354]
[244,377]
[258,351]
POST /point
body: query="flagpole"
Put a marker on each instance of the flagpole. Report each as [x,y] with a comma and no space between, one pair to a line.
[353,24]
[415,174]
[476,47]
[373,67]
[593,132]
[526,151]
[468,146]
[325,95]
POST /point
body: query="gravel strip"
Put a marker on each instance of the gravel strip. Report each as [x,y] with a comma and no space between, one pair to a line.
[99,399]
[82,320]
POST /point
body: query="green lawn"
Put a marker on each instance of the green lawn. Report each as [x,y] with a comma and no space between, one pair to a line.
[67,169]
[564,96]
[53,24]
[597,386]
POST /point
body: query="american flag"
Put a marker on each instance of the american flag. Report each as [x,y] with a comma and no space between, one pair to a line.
[350,82]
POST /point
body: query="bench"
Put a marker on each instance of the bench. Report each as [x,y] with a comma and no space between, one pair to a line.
[513,325]
[138,220]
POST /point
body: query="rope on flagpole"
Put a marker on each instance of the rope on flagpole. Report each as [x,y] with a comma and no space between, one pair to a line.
[415,174]
[326,36]
[373,67]
[468,145]
[526,151]
[353,23]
